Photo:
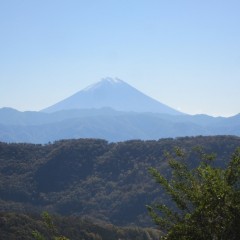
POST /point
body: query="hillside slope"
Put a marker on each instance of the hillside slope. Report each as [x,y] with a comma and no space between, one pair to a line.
[94,178]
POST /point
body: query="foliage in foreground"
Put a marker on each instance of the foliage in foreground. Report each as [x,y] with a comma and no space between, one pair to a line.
[206,197]
[15,226]
[48,221]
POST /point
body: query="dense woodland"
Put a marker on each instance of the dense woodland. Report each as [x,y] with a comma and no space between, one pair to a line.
[15,226]
[108,183]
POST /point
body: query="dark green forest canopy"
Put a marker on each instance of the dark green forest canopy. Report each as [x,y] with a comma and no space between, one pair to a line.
[15,226]
[91,177]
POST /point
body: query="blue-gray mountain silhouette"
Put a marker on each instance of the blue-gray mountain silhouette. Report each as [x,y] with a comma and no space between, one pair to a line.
[112,110]
[106,123]
[115,94]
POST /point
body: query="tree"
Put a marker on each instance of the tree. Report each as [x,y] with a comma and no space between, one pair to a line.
[206,199]
[51,228]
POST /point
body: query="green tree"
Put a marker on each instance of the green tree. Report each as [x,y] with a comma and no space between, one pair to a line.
[47,219]
[205,200]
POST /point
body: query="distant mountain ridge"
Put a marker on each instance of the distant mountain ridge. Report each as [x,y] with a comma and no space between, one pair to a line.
[112,110]
[106,123]
[113,93]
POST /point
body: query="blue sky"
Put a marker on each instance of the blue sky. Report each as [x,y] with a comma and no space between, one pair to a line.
[185,54]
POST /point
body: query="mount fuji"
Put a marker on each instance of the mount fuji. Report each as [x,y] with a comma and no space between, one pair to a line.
[113,110]
[112,93]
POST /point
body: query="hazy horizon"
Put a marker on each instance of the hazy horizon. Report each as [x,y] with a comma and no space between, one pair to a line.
[184,54]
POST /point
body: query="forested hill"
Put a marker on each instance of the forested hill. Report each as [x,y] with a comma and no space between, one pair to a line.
[94,178]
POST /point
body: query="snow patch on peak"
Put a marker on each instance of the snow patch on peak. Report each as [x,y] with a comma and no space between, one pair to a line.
[112,80]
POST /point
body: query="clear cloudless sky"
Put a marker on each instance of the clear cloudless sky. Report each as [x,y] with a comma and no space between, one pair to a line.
[184,53]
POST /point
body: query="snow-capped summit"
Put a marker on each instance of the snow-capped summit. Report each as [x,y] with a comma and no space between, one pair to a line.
[113,93]
[111,80]
[103,81]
